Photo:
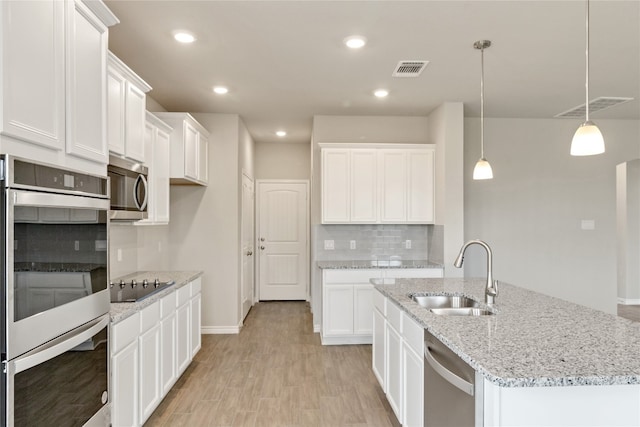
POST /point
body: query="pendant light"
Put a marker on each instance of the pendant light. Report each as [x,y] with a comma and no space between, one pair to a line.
[588,139]
[482,170]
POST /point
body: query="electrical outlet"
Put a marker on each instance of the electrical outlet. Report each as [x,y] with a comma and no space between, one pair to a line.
[119,254]
[352,244]
[407,244]
[588,224]
[76,245]
[329,245]
[159,246]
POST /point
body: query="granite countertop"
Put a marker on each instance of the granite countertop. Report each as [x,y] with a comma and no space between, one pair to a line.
[532,340]
[121,310]
[363,264]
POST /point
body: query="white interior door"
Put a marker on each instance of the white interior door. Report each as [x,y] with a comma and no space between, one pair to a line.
[283,240]
[247,238]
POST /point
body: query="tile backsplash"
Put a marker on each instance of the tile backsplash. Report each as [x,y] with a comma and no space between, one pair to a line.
[379,242]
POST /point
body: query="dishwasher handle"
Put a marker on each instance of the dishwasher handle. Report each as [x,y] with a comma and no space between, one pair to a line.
[449,376]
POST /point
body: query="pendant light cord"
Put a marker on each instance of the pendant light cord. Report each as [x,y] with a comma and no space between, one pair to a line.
[482,102]
[586,84]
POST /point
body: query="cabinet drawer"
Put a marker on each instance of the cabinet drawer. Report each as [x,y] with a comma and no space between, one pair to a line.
[394,316]
[125,332]
[149,316]
[168,304]
[408,273]
[412,333]
[184,294]
[380,302]
[196,286]
[351,275]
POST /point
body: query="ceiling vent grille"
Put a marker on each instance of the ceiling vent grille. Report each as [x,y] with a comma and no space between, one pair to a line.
[597,104]
[409,68]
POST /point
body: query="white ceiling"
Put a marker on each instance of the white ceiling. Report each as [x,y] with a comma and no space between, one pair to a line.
[284,61]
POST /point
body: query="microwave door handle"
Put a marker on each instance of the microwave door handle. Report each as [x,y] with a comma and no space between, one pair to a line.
[141,180]
[59,345]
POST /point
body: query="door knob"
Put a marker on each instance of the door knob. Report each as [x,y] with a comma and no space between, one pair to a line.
[249,253]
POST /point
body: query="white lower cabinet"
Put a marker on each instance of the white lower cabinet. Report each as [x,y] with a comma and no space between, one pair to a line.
[398,361]
[125,361]
[149,351]
[347,301]
[149,348]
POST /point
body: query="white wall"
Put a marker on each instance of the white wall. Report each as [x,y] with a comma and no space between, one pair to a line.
[531,212]
[281,160]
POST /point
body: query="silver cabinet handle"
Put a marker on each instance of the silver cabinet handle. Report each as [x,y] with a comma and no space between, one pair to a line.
[262,239]
[449,376]
[249,253]
[262,248]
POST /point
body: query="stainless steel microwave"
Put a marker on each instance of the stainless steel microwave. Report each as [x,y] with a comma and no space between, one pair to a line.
[129,189]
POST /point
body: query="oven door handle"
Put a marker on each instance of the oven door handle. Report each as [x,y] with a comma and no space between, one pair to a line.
[60,345]
[140,180]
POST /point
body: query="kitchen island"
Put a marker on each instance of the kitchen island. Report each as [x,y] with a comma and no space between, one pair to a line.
[542,360]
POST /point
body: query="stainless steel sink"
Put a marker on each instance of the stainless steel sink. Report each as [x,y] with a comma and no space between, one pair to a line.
[464,311]
[451,305]
[443,301]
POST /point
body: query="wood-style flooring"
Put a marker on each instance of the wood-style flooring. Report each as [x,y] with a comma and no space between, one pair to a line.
[276,373]
[629,311]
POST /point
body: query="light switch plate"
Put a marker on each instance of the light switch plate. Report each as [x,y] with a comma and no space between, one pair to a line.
[329,245]
[588,224]
[407,244]
[352,244]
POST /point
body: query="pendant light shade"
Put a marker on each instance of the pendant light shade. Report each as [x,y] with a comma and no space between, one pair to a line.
[588,139]
[482,170]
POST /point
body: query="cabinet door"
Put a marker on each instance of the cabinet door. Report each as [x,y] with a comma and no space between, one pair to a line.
[124,387]
[420,186]
[203,159]
[116,89]
[168,374]
[393,185]
[394,370]
[183,349]
[196,337]
[134,123]
[363,309]
[150,387]
[33,75]
[335,186]
[378,348]
[161,173]
[337,312]
[191,149]
[413,375]
[86,84]
[363,186]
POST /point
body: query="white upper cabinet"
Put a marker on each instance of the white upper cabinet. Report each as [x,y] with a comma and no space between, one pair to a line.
[378,184]
[127,103]
[53,72]
[86,84]
[189,149]
[157,141]
[33,72]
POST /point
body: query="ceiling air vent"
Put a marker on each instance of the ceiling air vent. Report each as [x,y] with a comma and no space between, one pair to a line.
[594,105]
[409,68]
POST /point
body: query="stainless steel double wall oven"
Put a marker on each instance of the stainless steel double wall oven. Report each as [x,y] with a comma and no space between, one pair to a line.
[55,296]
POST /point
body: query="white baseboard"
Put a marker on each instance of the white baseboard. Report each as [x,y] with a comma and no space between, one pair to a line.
[628,301]
[220,330]
[347,340]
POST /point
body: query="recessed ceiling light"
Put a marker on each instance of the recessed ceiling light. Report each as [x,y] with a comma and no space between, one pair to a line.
[281,133]
[220,90]
[355,42]
[184,37]
[381,93]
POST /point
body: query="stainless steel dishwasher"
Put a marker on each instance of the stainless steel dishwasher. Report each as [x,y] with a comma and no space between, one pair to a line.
[450,394]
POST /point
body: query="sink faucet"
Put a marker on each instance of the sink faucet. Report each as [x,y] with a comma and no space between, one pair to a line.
[491,290]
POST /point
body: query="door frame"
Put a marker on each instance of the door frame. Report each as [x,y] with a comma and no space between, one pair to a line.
[256,267]
[253,240]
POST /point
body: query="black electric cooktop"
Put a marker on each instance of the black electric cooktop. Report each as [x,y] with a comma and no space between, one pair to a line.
[135,291]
